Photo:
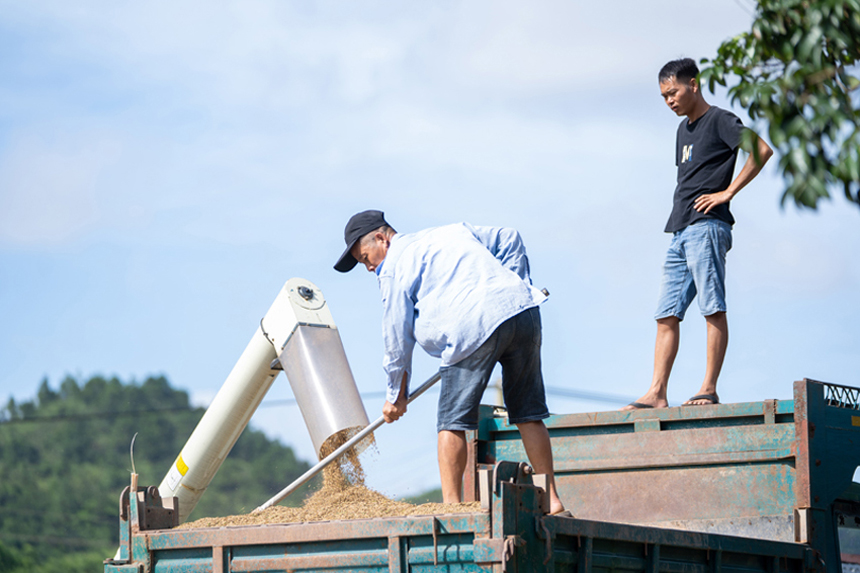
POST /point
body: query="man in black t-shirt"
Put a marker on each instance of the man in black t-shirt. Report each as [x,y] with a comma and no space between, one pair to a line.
[706,150]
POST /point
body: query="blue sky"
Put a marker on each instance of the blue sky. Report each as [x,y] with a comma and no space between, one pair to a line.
[165,167]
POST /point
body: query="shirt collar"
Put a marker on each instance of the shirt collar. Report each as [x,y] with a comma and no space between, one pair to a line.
[394,238]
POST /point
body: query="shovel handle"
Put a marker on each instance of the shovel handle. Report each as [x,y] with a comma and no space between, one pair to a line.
[305,477]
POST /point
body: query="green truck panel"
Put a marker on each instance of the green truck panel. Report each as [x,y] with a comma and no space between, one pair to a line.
[762,486]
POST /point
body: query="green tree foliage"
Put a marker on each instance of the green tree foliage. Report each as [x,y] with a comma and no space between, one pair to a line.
[64,459]
[794,70]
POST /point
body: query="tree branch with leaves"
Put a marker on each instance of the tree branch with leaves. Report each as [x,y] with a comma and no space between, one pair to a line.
[793,70]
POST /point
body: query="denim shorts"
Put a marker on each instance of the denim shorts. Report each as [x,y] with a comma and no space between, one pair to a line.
[696,264]
[515,344]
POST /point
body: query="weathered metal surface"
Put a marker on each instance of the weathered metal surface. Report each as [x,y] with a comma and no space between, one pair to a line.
[773,527]
[395,544]
[684,494]
[514,536]
[733,468]
[828,440]
[297,533]
[610,471]
[591,546]
[155,512]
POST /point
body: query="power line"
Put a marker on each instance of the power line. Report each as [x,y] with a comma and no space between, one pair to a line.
[292,401]
[108,414]
[746,8]
[575,394]
[590,396]
[96,415]
[70,541]
[571,393]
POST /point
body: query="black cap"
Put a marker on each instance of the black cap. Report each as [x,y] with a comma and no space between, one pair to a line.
[358,226]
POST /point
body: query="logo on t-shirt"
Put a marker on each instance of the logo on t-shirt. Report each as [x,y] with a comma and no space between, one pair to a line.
[687,153]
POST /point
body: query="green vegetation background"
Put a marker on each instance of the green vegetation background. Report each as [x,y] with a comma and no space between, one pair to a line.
[64,459]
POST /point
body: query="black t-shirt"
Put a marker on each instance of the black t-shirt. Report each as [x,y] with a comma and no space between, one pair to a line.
[705,153]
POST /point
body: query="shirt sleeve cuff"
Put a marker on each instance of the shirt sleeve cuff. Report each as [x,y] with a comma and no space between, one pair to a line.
[393,390]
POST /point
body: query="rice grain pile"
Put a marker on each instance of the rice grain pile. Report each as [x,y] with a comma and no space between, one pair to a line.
[343,496]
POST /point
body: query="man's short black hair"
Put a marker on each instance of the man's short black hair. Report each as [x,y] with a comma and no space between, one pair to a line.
[683,70]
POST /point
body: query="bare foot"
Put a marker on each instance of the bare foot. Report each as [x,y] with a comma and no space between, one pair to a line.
[703,400]
[646,402]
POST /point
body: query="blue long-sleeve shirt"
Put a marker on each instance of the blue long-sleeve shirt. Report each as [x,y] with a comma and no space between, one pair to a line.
[448,289]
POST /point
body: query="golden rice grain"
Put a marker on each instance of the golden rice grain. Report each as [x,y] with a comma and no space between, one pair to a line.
[343,496]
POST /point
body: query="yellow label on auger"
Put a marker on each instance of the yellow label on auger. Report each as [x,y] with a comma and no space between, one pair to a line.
[855,420]
[177,471]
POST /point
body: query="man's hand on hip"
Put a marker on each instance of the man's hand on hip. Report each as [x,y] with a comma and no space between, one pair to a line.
[704,203]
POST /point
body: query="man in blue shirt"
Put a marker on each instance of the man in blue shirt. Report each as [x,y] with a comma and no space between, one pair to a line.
[464,294]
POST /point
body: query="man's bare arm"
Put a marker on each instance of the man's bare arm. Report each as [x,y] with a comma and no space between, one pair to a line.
[704,203]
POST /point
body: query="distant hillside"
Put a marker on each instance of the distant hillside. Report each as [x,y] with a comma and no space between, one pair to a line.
[64,459]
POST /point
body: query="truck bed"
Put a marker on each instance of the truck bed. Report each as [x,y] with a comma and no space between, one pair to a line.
[761,486]
[776,470]
[512,534]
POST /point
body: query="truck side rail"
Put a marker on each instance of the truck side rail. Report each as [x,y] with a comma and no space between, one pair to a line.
[386,544]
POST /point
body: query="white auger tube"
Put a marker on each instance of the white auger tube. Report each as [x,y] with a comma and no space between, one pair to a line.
[298,308]
[221,425]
